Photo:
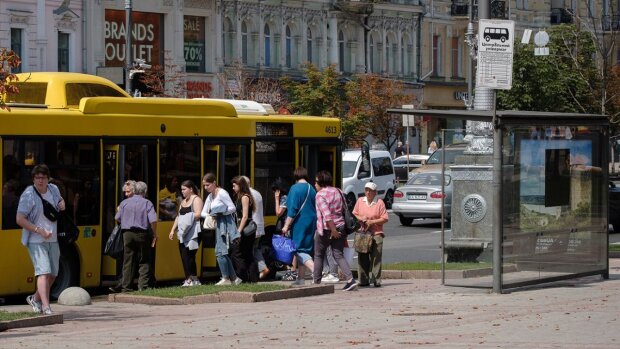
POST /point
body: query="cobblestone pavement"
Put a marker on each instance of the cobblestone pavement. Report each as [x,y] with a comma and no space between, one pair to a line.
[583,313]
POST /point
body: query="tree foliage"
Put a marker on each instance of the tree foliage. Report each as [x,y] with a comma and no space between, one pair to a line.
[369,97]
[8,60]
[321,95]
[564,81]
[166,80]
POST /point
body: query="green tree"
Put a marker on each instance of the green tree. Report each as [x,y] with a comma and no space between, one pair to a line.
[321,95]
[8,60]
[369,97]
[564,81]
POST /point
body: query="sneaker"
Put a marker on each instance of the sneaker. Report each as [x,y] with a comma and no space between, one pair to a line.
[290,276]
[237,281]
[329,278]
[187,283]
[299,282]
[350,286]
[47,311]
[377,283]
[224,282]
[36,306]
[196,282]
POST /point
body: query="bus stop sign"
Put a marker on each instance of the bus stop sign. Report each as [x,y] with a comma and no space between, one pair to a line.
[495,51]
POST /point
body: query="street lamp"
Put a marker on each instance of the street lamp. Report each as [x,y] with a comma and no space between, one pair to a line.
[128,51]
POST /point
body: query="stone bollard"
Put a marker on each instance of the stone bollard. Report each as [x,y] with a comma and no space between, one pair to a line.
[74,296]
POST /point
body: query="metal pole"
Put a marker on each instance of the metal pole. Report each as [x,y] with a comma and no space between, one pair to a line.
[470,66]
[497,243]
[443,190]
[128,50]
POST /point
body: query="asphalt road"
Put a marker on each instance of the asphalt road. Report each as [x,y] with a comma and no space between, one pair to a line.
[418,242]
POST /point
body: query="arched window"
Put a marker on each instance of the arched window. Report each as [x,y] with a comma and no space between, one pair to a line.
[267,34]
[341,58]
[288,44]
[244,43]
[227,41]
[372,52]
[309,46]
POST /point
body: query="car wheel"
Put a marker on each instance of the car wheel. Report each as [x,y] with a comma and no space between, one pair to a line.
[67,273]
[389,199]
[406,221]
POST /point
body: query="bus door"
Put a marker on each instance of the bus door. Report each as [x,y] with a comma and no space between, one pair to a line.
[123,162]
[317,156]
[208,260]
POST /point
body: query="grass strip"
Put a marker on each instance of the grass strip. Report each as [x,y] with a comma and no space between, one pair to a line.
[9,316]
[180,292]
[434,266]
[614,247]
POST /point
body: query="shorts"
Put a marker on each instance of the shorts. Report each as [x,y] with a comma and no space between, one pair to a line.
[45,257]
[302,257]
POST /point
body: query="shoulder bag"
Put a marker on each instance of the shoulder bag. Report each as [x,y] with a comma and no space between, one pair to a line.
[351,225]
[210,222]
[49,211]
[114,246]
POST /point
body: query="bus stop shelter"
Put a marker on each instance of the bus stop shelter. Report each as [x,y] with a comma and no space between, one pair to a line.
[535,208]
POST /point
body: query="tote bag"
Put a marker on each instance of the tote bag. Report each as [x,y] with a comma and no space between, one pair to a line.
[283,249]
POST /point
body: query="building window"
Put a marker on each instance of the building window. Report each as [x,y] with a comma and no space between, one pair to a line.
[227,41]
[457,70]
[267,46]
[288,44]
[244,43]
[16,46]
[372,53]
[63,51]
[309,46]
[436,56]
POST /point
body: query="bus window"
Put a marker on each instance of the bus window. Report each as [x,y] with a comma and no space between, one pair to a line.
[272,160]
[74,169]
[178,161]
[235,164]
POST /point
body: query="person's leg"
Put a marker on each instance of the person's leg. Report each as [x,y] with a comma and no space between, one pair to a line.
[128,260]
[247,250]
[320,245]
[143,244]
[337,249]
[185,260]
[332,267]
[258,257]
[363,268]
[376,256]
[238,261]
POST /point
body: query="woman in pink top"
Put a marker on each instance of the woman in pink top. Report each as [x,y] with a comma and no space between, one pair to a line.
[371,213]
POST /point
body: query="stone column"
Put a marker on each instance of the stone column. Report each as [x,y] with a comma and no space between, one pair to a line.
[333,40]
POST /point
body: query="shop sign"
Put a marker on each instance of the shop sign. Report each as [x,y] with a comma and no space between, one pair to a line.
[147,37]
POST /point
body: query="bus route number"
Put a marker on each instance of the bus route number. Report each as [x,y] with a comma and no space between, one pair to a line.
[331,129]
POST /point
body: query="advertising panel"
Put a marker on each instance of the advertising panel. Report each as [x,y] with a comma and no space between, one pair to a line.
[147,37]
[194,43]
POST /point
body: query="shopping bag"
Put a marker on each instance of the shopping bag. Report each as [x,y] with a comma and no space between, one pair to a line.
[283,249]
[114,246]
[362,241]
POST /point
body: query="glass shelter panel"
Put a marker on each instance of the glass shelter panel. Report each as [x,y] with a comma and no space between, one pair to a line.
[468,205]
[554,203]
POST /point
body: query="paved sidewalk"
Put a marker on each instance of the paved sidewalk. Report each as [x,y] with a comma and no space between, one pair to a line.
[582,313]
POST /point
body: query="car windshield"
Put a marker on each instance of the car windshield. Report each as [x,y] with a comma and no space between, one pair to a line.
[428,178]
[348,168]
[451,154]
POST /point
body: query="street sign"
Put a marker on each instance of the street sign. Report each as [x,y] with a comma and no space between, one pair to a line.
[495,51]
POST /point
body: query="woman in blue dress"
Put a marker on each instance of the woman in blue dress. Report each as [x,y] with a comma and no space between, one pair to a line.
[301,221]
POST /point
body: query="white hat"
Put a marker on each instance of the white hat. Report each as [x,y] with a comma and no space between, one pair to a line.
[371,186]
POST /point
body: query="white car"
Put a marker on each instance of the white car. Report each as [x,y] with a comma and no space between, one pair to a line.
[355,176]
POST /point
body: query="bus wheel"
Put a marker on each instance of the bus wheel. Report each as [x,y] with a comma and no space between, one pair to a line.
[67,272]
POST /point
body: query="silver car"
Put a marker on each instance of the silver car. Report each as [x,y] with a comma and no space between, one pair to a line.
[421,197]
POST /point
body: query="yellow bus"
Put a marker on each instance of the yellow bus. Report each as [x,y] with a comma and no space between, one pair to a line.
[94,137]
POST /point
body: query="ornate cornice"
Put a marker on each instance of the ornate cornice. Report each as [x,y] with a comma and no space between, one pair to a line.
[19,17]
[199,4]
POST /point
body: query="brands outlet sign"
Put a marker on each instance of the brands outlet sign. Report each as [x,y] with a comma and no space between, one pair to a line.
[146,37]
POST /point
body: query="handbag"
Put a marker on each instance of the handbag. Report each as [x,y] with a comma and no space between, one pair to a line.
[250,228]
[362,242]
[114,246]
[49,211]
[351,224]
[283,249]
[68,232]
[210,221]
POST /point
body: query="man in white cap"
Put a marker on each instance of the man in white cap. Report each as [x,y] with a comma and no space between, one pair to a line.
[399,150]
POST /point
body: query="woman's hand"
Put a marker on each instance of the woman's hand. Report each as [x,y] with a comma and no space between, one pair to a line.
[335,234]
[276,194]
[285,230]
[61,204]
[171,235]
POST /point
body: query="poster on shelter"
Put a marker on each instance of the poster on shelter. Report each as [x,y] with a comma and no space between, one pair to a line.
[194,43]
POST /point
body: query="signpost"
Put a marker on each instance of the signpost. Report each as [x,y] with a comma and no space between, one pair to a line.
[495,51]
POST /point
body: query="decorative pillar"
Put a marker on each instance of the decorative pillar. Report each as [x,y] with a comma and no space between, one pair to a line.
[333,40]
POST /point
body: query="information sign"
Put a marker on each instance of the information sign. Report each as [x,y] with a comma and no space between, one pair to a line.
[495,51]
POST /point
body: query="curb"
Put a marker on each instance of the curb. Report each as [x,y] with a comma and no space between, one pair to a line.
[226,296]
[41,320]
[614,254]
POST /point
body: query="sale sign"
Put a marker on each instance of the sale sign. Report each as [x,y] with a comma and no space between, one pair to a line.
[146,37]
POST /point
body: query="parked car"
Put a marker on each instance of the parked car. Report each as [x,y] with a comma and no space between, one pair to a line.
[354,177]
[434,161]
[421,197]
[404,164]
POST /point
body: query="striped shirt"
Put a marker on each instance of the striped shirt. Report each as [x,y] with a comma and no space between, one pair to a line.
[328,208]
